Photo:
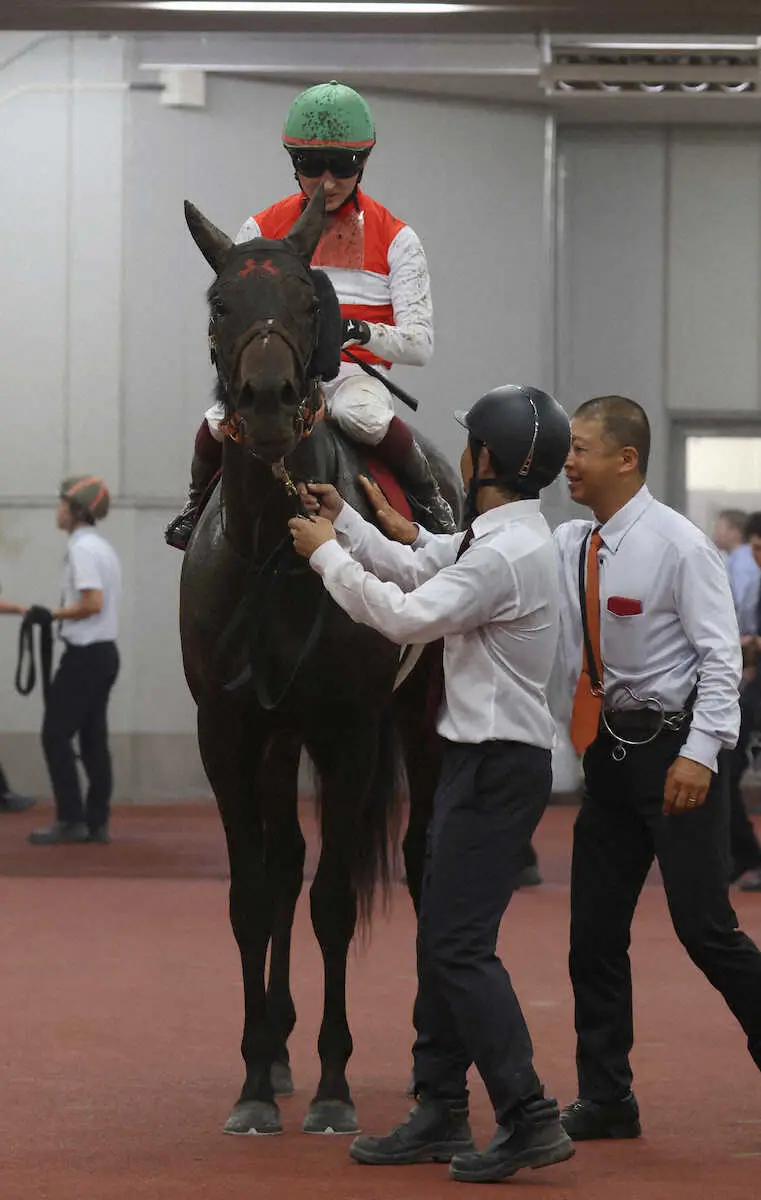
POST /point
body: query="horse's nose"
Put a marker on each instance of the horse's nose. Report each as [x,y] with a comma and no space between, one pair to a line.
[267,396]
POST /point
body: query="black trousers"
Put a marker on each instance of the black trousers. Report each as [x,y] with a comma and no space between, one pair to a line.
[77,706]
[488,803]
[745,848]
[620,828]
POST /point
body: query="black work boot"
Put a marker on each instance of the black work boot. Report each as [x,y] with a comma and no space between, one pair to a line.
[533,1137]
[13,802]
[60,833]
[424,494]
[180,529]
[434,1131]
[587,1120]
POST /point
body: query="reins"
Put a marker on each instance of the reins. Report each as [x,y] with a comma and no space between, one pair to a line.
[256,606]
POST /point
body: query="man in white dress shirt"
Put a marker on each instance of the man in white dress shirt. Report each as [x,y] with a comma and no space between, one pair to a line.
[650,647]
[491,594]
[80,689]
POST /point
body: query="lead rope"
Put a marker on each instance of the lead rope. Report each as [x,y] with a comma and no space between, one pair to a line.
[26,666]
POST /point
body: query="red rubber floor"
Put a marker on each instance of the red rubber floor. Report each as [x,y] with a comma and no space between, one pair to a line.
[121,1021]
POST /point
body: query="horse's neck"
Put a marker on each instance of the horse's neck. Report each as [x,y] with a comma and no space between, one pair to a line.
[255,505]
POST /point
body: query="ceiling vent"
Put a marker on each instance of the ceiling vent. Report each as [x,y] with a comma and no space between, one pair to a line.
[610,68]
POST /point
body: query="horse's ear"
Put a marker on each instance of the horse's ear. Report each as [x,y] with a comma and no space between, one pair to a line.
[212,242]
[307,231]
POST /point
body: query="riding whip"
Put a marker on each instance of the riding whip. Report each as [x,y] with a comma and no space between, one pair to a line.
[405,397]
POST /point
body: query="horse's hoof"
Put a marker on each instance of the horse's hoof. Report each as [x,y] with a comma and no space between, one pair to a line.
[281,1079]
[254,1117]
[330,1117]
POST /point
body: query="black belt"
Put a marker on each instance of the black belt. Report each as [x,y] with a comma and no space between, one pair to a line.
[644,720]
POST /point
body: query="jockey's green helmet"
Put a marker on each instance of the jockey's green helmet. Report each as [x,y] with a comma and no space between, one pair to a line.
[329,115]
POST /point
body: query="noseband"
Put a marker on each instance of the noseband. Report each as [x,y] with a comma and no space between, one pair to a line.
[309,405]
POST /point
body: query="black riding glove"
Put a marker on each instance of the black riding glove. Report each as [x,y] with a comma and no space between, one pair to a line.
[355,331]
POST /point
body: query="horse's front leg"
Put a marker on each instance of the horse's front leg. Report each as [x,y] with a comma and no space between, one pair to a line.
[232,739]
[356,798]
[284,864]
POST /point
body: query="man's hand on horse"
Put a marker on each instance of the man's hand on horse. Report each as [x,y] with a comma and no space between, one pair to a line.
[323,499]
[309,533]
[393,524]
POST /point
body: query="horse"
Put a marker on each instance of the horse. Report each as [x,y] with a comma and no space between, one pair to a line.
[274,667]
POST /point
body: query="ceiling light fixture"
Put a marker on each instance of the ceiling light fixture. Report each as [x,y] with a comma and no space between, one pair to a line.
[303,7]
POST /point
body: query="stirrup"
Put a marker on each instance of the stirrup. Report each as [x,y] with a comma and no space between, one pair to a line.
[180,529]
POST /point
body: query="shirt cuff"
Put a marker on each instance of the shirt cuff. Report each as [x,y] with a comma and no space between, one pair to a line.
[702,748]
[423,537]
[376,343]
[348,521]
[327,555]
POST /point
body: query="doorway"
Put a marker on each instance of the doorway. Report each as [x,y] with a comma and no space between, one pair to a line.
[715,467]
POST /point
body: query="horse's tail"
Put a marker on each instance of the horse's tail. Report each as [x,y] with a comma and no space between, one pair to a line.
[370,817]
[379,822]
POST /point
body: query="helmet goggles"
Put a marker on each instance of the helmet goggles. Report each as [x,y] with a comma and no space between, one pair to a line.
[313,163]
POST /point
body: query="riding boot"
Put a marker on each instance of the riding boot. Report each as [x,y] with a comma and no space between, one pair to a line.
[404,456]
[207,460]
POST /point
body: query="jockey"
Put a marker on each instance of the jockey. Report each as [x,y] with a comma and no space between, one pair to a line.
[378,268]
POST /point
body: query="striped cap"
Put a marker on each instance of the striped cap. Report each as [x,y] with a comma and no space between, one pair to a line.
[88,493]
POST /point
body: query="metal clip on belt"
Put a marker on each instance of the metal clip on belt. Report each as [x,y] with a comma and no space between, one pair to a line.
[653,710]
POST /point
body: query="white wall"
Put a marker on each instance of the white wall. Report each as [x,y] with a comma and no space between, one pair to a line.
[103,324]
[658,273]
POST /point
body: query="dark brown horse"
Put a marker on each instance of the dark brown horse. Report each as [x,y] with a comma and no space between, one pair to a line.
[275,666]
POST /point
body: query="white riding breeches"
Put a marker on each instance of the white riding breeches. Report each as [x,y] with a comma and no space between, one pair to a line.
[361,405]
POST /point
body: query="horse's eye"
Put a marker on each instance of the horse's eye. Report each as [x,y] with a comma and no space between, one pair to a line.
[218,309]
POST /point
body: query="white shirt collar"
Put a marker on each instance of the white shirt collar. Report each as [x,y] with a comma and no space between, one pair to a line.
[495,518]
[614,530]
[77,534]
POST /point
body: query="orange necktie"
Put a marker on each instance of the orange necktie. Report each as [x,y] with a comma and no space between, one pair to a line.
[586,704]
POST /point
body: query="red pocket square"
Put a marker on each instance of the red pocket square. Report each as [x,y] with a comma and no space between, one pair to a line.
[623,606]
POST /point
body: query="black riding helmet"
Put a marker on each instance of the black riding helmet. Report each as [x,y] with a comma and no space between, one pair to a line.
[527,433]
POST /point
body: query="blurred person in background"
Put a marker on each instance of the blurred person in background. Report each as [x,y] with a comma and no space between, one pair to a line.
[730,537]
[745,846]
[80,689]
[11,801]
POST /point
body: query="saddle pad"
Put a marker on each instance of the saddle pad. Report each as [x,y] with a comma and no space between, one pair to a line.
[388,483]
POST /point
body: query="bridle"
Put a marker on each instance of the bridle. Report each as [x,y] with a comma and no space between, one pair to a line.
[309,387]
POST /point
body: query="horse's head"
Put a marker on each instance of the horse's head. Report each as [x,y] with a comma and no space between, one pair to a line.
[263,328]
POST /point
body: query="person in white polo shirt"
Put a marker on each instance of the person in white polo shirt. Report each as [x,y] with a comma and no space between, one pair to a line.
[80,690]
